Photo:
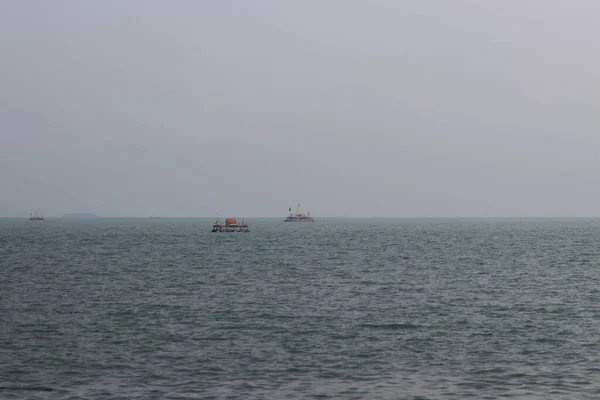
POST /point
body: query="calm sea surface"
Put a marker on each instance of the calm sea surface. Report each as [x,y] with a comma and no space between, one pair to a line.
[338,309]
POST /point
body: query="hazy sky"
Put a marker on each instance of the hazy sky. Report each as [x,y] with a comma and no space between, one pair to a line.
[349,107]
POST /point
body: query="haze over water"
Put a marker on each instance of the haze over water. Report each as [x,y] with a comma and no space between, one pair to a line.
[338,309]
[381,108]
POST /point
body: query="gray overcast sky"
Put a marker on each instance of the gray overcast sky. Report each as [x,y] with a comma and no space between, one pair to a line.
[351,108]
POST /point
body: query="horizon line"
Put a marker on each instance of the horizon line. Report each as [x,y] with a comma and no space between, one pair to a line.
[316,218]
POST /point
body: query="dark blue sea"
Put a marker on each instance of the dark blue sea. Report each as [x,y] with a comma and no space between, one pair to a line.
[337,309]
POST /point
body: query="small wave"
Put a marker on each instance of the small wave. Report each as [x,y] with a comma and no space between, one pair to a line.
[488,371]
[391,326]
[32,389]
[214,338]
[368,282]
[277,316]
[550,340]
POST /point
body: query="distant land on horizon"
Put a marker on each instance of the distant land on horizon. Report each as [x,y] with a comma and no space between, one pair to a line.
[79,215]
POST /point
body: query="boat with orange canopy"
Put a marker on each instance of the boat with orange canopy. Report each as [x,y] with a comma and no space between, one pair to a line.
[230,225]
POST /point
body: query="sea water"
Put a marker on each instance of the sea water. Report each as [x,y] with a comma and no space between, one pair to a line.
[336,309]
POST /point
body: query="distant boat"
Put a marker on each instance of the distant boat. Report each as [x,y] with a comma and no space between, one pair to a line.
[230,225]
[36,216]
[298,216]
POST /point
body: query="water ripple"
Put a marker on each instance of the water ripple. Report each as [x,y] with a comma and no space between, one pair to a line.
[340,309]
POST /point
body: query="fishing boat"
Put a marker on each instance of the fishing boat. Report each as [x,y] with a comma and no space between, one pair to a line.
[230,225]
[36,216]
[298,216]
